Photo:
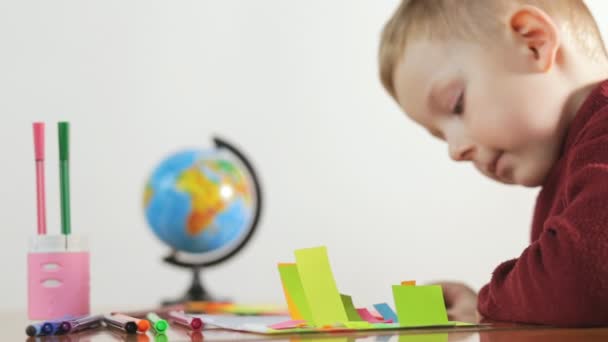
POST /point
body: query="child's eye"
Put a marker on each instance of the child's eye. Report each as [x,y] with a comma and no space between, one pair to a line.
[459,107]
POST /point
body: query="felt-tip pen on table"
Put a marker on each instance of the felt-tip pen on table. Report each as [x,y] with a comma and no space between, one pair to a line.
[54,327]
[142,324]
[84,323]
[61,327]
[125,325]
[159,325]
[185,320]
[57,327]
[39,329]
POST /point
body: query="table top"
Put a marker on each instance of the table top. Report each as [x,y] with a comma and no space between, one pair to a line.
[13,329]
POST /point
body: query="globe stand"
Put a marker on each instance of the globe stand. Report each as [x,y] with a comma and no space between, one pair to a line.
[195,293]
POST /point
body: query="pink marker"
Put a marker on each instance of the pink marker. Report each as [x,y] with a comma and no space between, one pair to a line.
[39,153]
[193,323]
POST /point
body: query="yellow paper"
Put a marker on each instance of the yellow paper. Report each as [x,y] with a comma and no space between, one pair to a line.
[320,287]
[294,293]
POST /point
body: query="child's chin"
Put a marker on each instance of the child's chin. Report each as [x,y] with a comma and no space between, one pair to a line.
[520,178]
[529,181]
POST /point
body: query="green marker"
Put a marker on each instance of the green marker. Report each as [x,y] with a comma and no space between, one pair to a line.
[159,325]
[64,176]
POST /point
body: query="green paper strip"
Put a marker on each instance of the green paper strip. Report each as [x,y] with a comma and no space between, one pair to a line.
[320,286]
[463,324]
[420,305]
[349,307]
[293,285]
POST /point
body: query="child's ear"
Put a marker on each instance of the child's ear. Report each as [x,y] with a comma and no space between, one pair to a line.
[536,31]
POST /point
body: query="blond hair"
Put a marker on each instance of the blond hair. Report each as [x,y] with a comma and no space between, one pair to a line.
[477,19]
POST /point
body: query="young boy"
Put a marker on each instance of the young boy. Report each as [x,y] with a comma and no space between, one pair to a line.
[516,87]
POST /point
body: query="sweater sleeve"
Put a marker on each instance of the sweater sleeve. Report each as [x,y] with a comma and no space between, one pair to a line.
[561,279]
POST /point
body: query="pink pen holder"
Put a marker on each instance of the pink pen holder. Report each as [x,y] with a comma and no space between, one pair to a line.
[58,277]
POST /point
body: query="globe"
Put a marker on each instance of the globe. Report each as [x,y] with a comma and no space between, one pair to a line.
[203,203]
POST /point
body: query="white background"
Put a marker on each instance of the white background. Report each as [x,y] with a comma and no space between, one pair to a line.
[294,83]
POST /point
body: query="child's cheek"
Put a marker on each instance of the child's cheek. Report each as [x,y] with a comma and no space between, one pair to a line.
[494,131]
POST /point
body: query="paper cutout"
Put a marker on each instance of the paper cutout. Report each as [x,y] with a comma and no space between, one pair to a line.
[309,284]
[464,324]
[294,292]
[291,306]
[386,311]
[408,283]
[288,325]
[227,308]
[358,325]
[367,316]
[320,287]
[351,312]
[420,305]
[259,324]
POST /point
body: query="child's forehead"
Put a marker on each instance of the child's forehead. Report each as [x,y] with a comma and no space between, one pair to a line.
[427,61]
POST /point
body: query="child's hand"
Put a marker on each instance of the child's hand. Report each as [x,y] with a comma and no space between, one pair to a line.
[460,301]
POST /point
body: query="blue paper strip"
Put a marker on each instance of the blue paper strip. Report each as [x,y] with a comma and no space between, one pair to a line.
[386,312]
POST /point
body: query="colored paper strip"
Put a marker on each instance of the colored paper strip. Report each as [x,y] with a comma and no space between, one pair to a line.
[288,325]
[408,283]
[294,293]
[358,325]
[320,287]
[368,317]
[351,312]
[420,305]
[294,313]
[386,311]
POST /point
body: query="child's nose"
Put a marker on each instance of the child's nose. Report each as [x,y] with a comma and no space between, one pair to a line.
[462,153]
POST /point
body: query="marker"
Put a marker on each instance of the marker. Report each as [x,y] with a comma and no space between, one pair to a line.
[39,329]
[40,196]
[61,327]
[125,325]
[84,323]
[159,325]
[142,324]
[64,176]
[193,323]
[55,327]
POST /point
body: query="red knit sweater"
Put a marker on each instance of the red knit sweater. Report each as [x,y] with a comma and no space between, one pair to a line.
[562,277]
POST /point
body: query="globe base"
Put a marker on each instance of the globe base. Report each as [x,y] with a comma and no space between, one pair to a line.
[196,292]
